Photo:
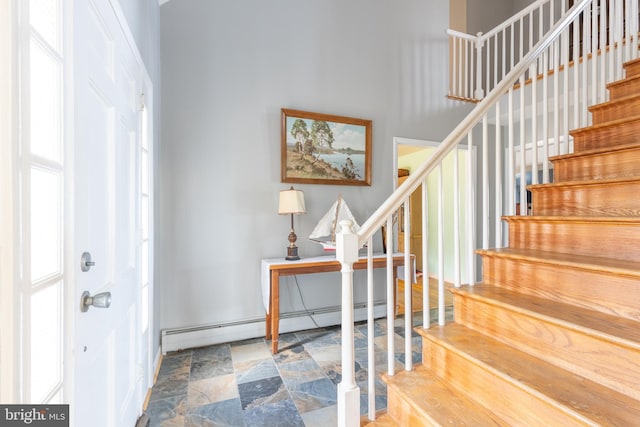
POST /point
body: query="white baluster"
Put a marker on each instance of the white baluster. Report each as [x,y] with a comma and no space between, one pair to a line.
[441,313]
[371,362]
[485,182]
[456,221]
[391,298]
[408,281]
[511,170]
[545,118]
[479,93]
[523,150]
[498,169]
[470,210]
[426,312]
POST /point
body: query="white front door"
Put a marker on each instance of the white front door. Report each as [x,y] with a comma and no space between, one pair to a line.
[107,85]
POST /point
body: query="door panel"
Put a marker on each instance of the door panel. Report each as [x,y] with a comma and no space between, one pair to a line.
[106,138]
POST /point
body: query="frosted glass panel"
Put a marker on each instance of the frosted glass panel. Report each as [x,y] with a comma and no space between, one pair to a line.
[145,172]
[46,213]
[145,128]
[144,262]
[46,335]
[46,129]
[144,309]
[45,19]
[144,216]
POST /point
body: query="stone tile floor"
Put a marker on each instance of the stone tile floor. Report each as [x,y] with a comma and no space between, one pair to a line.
[243,384]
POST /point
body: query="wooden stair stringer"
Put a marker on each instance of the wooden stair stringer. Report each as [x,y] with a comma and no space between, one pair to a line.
[567,278]
[539,393]
[601,347]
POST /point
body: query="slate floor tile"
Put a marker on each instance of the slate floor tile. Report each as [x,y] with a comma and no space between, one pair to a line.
[242,384]
[262,392]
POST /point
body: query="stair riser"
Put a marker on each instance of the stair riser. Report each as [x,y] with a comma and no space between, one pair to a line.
[608,293]
[611,364]
[620,110]
[619,199]
[623,89]
[404,413]
[615,164]
[608,136]
[520,408]
[610,240]
[632,68]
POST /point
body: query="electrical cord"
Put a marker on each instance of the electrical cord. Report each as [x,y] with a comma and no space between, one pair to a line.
[306,310]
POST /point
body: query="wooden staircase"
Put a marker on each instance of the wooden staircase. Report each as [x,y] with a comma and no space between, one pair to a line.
[552,335]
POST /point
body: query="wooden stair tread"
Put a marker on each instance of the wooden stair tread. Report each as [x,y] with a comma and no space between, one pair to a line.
[574,219]
[622,82]
[600,264]
[609,124]
[383,420]
[596,151]
[558,387]
[586,183]
[435,401]
[631,62]
[612,328]
[609,104]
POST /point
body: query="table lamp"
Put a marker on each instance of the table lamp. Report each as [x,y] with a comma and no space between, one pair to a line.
[291,202]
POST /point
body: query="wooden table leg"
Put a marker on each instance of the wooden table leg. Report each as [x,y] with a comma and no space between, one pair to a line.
[275,310]
[268,322]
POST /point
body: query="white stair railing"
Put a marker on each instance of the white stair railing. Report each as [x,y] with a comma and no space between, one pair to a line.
[508,136]
[479,62]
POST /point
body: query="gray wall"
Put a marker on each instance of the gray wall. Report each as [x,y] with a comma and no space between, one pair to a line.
[227,70]
[484,15]
[143,18]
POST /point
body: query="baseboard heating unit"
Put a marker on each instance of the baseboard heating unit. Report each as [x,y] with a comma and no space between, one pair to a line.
[176,339]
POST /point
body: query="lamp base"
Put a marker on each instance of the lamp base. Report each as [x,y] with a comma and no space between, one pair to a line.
[292,253]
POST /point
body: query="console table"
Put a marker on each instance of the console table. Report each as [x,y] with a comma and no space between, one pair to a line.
[273,268]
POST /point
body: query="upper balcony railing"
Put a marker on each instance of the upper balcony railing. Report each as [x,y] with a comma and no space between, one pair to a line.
[508,136]
[478,62]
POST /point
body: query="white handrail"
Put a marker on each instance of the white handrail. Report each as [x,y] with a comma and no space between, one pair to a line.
[515,18]
[377,219]
[462,35]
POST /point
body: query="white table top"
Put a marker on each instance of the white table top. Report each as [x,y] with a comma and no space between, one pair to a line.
[268,262]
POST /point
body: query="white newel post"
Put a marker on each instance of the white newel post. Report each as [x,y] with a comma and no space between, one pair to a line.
[348,391]
[479,92]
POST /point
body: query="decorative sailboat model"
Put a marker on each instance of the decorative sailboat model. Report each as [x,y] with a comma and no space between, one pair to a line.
[325,231]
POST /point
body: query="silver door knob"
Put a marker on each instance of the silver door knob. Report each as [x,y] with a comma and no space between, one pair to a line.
[102,300]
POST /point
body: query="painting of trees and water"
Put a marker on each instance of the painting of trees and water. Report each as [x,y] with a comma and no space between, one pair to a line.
[325,149]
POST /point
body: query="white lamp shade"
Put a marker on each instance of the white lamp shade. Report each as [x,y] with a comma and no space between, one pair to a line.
[291,202]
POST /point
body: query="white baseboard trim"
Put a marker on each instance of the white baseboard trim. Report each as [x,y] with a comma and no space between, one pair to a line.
[199,336]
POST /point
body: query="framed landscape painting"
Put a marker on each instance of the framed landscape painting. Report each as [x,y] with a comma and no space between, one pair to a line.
[325,149]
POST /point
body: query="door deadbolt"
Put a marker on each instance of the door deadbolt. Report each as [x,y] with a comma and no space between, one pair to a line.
[85,262]
[102,300]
